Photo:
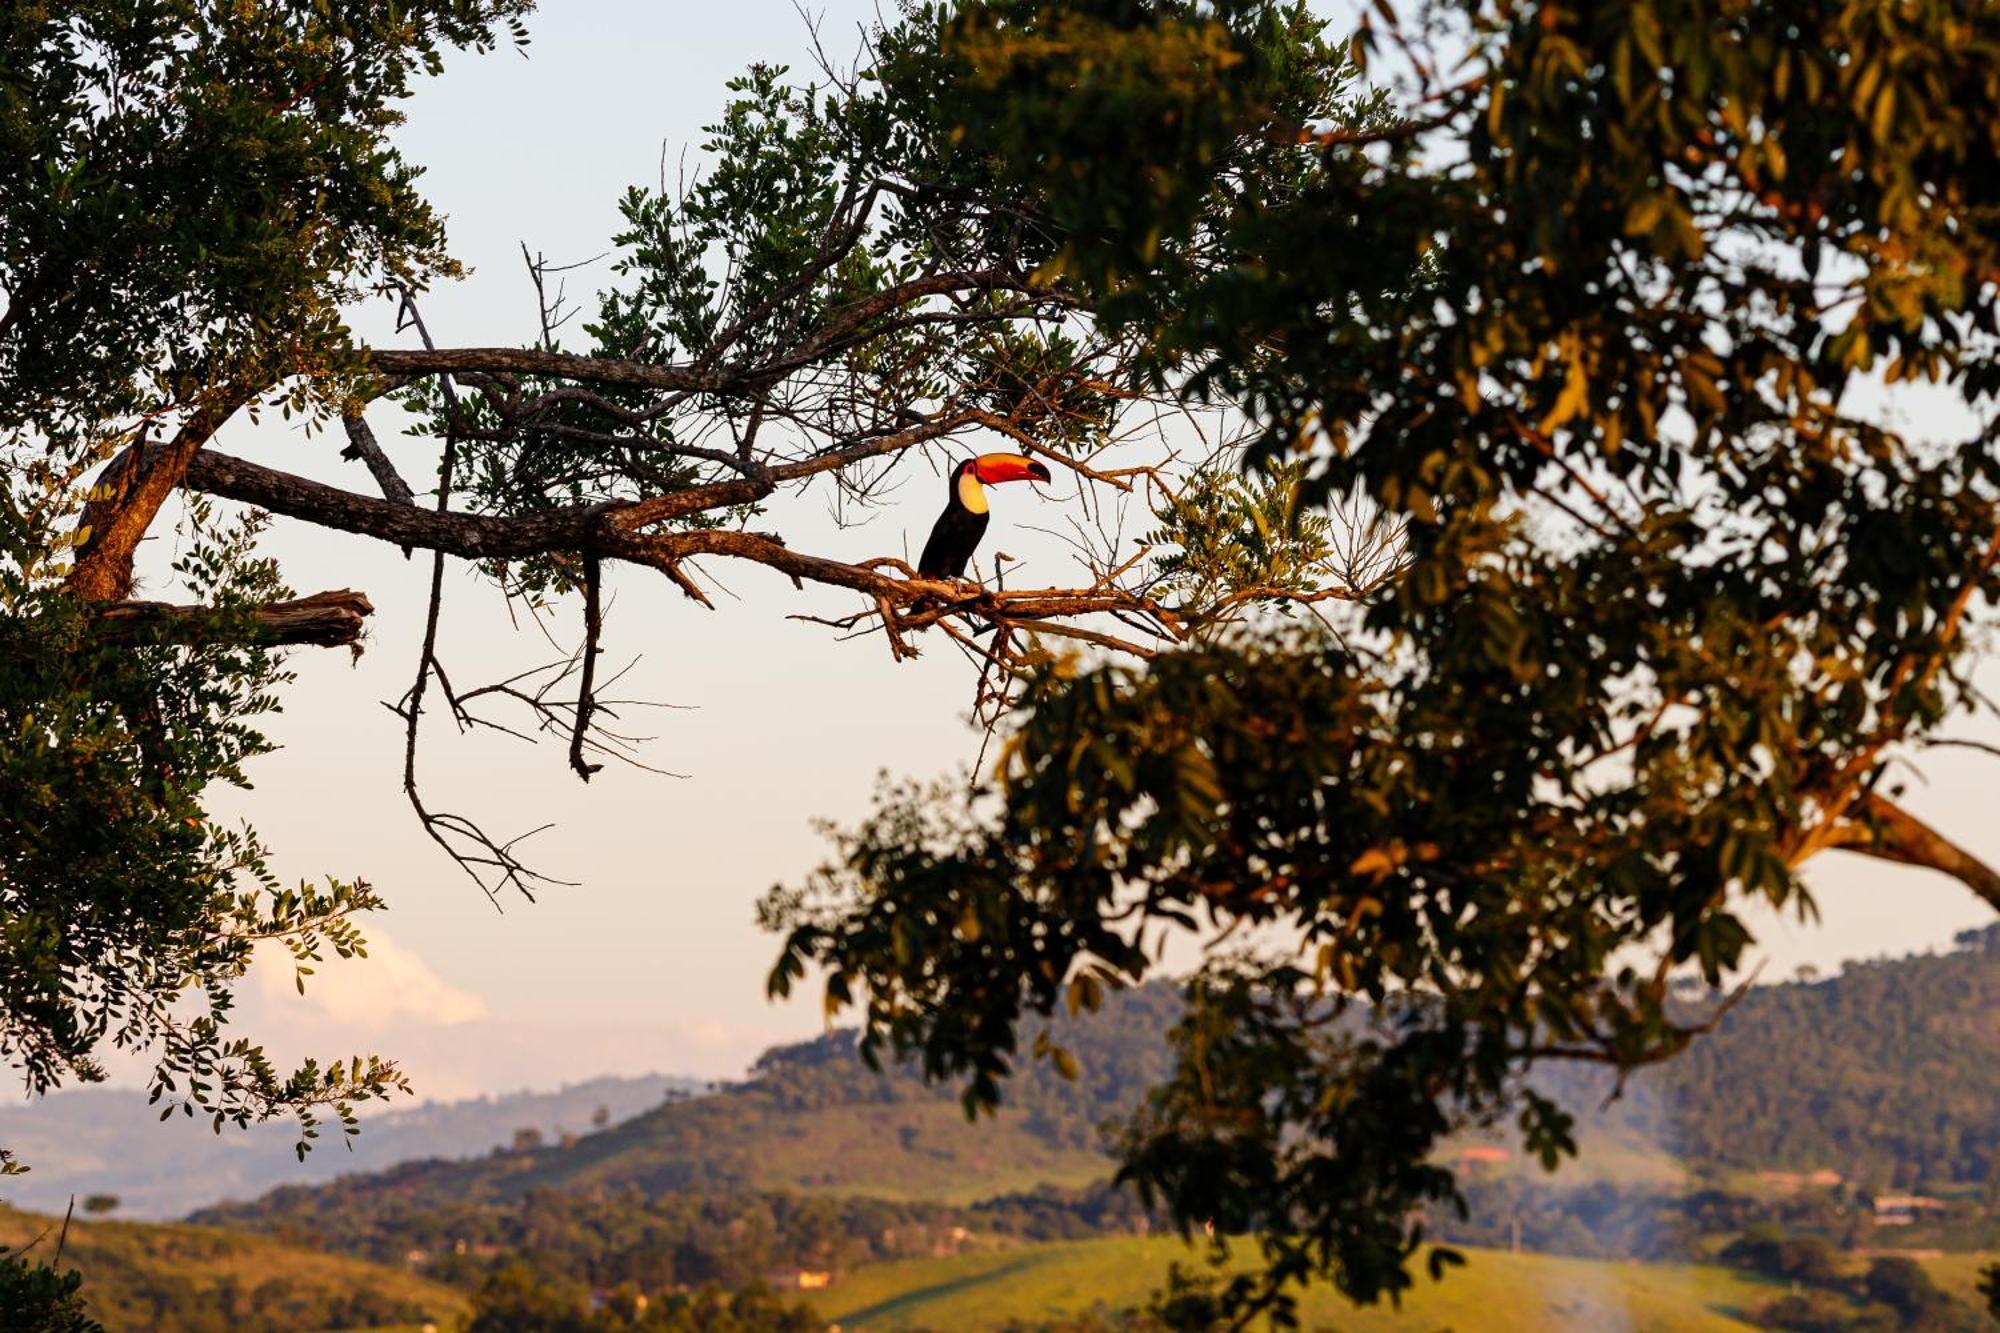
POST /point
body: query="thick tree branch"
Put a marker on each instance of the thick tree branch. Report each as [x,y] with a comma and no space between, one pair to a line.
[470,536]
[904,603]
[407,362]
[139,481]
[325,619]
[1879,827]
[488,537]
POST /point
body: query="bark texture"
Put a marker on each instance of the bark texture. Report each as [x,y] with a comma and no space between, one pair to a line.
[333,619]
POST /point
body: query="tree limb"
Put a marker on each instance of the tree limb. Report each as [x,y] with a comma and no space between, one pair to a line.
[470,536]
[362,445]
[1879,827]
[586,701]
[534,361]
[325,619]
[139,481]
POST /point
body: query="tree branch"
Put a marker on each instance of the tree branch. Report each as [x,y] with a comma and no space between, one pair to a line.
[470,536]
[362,445]
[586,701]
[325,619]
[1879,827]
[139,481]
[533,361]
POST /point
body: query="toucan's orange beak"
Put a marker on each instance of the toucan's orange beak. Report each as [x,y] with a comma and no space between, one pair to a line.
[992,468]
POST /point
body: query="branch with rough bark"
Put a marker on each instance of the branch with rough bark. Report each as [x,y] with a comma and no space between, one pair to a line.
[326,619]
[1879,827]
[133,488]
[905,602]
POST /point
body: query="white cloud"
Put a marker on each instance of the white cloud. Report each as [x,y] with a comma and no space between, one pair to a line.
[391,986]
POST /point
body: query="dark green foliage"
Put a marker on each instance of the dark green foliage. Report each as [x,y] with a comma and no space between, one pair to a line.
[122,901]
[1597,328]
[1189,1303]
[1885,1074]
[1903,1286]
[1821,1312]
[190,188]
[1894,1293]
[513,1301]
[37,1296]
[1806,1259]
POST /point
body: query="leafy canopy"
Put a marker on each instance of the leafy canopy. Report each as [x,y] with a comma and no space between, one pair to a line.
[1612,313]
[188,191]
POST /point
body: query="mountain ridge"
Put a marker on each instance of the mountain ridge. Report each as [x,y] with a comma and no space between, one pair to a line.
[111,1141]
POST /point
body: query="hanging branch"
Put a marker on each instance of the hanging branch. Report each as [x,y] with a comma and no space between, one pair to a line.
[586,702]
[484,856]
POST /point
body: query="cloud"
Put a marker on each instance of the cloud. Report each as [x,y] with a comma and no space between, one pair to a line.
[391,986]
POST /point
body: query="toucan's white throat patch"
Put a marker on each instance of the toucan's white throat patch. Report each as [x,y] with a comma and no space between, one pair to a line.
[971,494]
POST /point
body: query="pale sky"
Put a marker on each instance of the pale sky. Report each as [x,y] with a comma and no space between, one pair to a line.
[654,961]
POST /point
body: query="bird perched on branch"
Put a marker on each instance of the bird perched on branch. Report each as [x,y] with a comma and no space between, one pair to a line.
[964,519]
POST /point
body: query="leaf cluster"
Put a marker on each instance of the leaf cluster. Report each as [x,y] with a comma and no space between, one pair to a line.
[191,188]
[129,913]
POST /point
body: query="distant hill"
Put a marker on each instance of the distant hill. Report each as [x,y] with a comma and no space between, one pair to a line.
[108,1141]
[812,1118]
[1888,1073]
[185,1279]
[818,1163]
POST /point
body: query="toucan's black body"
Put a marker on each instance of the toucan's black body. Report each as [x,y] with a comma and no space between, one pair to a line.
[960,527]
[954,537]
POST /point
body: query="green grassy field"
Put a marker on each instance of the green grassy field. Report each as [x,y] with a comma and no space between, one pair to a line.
[1959,1274]
[919,1150]
[1496,1291]
[171,1276]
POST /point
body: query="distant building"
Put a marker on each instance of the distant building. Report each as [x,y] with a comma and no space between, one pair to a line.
[1900,1210]
[1787,1182]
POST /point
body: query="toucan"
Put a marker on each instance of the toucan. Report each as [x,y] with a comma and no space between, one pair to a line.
[963,521]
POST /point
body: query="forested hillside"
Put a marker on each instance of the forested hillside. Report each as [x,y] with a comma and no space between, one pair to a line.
[821,1164]
[813,1118]
[1888,1073]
